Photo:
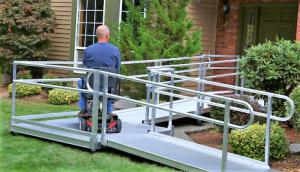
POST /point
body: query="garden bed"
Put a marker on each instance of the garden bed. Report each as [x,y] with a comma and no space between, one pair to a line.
[213,138]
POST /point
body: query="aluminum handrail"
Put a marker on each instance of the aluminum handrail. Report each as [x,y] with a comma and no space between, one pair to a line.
[291,103]
[27,63]
[140,61]
[194,64]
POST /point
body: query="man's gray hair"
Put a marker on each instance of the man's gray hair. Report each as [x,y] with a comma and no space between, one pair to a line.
[102,31]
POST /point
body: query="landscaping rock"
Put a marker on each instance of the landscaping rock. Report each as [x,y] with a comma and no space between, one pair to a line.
[294,148]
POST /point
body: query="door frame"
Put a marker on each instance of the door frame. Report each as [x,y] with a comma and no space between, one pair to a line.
[242,7]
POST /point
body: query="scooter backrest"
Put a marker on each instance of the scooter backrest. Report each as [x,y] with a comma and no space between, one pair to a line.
[113,82]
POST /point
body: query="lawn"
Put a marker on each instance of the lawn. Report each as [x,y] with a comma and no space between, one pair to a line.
[21,153]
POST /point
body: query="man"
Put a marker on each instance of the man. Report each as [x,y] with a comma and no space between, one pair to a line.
[100,54]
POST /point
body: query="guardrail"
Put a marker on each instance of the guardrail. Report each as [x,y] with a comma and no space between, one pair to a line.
[104,93]
[202,82]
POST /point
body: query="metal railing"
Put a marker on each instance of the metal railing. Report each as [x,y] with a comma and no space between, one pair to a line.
[154,88]
[105,95]
[201,81]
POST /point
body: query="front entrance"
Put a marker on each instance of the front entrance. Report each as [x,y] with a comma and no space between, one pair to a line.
[261,22]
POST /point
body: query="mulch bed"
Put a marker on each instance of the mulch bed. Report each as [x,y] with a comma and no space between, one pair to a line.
[213,138]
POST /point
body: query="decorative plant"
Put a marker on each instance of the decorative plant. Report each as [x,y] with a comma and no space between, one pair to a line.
[251,142]
[295,96]
[60,97]
[273,67]
[23,90]
[25,26]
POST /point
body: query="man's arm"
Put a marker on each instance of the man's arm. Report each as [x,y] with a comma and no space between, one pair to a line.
[118,60]
[85,57]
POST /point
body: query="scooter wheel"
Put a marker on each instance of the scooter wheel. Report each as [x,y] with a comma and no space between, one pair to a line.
[82,124]
[119,126]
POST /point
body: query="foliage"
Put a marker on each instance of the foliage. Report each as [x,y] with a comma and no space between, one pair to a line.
[237,118]
[251,142]
[23,90]
[51,76]
[24,74]
[295,96]
[165,29]
[25,26]
[273,67]
[60,96]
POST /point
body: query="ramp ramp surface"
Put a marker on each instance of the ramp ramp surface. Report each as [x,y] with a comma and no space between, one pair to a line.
[183,155]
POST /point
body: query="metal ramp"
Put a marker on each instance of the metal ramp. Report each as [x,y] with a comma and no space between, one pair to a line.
[159,147]
[182,154]
[148,140]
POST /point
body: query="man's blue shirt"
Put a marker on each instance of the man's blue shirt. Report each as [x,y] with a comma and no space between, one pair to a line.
[102,54]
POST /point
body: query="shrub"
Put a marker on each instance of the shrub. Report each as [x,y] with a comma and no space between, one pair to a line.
[251,142]
[24,74]
[50,76]
[238,118]
[25,90]
[273,67]
[25,27]
[60,97]
[295,95]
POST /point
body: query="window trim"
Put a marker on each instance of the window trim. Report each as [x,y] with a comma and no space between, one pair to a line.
[77,29]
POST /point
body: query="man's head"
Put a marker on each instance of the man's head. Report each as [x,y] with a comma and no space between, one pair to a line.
[102,33]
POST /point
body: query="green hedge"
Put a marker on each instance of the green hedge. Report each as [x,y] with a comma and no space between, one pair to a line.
[60,97]
[25,90]
[295,95]
[273,67]
[251,142]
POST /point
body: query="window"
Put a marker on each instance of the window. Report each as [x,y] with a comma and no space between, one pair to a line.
[90,14]
[125,11]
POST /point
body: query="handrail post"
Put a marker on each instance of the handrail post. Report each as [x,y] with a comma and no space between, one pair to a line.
[13,98]
[237,73]
[201,87]
[148,97]
[154,102]
[242,85]
[225,135]
[171,102]
[96,85]
[268,129]
[104,109]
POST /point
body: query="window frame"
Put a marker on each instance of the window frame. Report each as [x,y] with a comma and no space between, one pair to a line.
[78,11]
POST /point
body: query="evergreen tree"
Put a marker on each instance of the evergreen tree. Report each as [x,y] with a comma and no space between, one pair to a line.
[165,32]
[25,26]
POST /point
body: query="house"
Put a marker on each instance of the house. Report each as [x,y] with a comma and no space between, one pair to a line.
[246,22]
[228,26]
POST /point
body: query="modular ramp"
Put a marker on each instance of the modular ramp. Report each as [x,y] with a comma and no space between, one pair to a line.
[137,140]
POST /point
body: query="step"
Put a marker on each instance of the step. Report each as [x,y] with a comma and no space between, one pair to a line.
[183,155]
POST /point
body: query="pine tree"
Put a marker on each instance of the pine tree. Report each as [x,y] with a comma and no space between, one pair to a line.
[165,32]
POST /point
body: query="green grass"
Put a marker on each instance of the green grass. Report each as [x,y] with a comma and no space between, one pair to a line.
[21,153]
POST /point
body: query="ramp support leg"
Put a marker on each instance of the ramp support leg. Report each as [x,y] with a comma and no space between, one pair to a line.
[13,98]
[225,135]
[104,109]
[171,104]
[155,100]
[268,128]
[148,97]
[201,88]
[93,139]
